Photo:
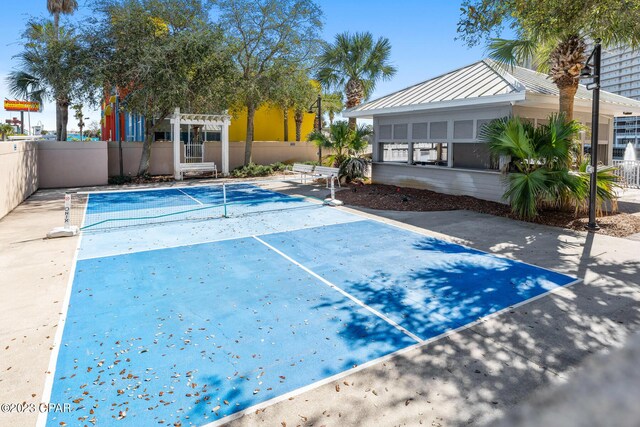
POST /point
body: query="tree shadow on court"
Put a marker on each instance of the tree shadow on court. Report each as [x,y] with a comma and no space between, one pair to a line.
[473,376]
[214,397]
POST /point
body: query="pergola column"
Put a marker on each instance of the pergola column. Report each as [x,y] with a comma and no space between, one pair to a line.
[224,136]
[176,144]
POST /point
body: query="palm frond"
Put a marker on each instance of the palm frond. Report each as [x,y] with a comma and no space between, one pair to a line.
[525,191]
[512,52]
[319,139]
[512,138]
[354,167]
[557,141]
[355,57]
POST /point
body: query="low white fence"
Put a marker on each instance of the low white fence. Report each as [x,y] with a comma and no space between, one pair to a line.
[629,172]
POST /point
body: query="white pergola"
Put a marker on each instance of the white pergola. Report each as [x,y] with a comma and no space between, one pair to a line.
[221,120]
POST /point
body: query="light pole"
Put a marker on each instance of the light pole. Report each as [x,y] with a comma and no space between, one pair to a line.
[588,72]
[318,104]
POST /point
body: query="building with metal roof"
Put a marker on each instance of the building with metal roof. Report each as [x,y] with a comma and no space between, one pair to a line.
[426,135]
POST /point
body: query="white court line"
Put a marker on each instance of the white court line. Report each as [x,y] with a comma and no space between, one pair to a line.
[199,242]
[346,294]
[438,236]
[189,196]
[421,343]
[57,340]
[379,360]
[173,186]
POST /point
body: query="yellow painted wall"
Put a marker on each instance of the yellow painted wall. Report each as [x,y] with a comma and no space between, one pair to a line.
[269,125]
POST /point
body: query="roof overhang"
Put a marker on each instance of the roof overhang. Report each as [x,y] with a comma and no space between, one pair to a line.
[582,105]
[442,105]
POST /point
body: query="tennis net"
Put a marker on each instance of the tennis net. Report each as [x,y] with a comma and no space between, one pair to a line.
[112,209]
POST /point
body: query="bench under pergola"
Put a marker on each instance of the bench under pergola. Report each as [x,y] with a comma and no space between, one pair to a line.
[194,155]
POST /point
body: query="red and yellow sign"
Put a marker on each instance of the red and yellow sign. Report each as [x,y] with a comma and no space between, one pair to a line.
[16,105]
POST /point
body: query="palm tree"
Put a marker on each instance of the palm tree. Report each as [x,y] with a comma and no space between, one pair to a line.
[5,130]
[550,34]
[56,7]
[542,162]
[26,86]
[347,146]
[355,63]
[562,58]
[332,103]
[51,67]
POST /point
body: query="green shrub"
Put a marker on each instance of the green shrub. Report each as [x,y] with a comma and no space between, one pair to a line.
[120,180]
[545,170]
[353,167]
[253,170]
[281,167]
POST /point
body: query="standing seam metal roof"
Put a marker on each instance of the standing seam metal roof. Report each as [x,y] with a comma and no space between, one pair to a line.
[484,78]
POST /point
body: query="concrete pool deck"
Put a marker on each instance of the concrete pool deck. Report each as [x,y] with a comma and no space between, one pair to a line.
[472,376]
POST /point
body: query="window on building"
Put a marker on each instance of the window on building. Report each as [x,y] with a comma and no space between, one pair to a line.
[162,136]
[394,152]
[430,153]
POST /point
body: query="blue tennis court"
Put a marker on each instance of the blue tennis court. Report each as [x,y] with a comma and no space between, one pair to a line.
[190,322]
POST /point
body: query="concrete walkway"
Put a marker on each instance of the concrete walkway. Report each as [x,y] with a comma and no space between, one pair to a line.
[470,377]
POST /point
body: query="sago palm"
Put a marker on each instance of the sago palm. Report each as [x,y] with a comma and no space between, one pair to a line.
[355,63]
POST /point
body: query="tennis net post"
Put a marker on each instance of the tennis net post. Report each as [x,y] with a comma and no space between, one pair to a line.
[332,201]
[224,198]
[67,230]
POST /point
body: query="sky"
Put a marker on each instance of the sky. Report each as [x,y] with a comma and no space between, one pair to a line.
[422,35]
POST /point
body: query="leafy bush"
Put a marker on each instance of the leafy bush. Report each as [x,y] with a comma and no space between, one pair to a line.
[120,180]
[354,167]
[280,167]
[606,184]
[347,146]
[253,170]
[544,171]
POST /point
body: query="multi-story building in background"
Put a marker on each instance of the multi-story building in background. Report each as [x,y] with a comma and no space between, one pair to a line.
[621,75]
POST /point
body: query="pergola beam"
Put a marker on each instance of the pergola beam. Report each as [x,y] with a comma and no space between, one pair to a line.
[221,120]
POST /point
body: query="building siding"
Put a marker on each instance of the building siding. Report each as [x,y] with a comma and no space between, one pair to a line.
[483,185]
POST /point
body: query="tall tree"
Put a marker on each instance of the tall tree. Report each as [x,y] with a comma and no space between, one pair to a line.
[295,91]
[333,104]
[551,34]
[355,63]
[158,60]
[267,37]
[57,7]
[53,65]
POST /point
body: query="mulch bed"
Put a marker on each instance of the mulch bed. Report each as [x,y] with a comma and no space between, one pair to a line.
[389,197]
